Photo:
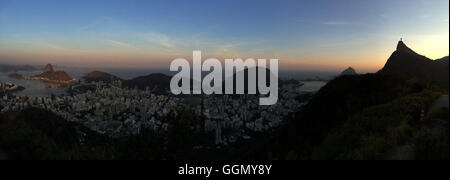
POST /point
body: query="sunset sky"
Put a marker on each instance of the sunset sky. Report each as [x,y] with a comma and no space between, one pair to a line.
[303,35]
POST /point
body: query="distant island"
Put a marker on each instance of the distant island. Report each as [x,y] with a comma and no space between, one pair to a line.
[16,76]
[15,68]
[48,75]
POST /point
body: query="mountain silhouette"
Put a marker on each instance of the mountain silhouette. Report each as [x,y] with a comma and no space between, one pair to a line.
[158,83]
[52,75]
[245,75]
[99,76]
[349,71]
[405,61]
[48,68]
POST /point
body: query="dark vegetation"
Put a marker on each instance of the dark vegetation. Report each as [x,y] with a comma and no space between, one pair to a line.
[352,117]
[375,130]
[432,142]
[39,134]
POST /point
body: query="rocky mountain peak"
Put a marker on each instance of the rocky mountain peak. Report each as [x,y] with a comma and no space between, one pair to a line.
[48,68]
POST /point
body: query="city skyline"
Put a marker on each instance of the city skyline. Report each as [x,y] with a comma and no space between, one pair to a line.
[304,35]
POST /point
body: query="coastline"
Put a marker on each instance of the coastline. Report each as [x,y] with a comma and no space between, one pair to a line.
[55,83]
[20,88]
[10,87]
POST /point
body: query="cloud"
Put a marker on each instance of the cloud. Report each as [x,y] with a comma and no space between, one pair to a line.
[226,47]
[159,39]
[120,44]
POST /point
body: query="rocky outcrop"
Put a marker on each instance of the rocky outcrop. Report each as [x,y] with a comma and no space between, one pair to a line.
[405,61]
[349,71]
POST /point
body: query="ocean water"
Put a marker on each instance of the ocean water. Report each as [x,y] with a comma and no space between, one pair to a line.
[312,86]
[32,88]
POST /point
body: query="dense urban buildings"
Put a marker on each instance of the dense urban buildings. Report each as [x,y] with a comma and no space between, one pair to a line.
[108,108]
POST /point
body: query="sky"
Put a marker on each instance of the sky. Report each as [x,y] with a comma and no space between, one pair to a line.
[321,35]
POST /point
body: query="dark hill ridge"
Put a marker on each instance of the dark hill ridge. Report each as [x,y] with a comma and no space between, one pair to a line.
[245,74]
[405,61]
[160,83]
[56,76]
[443,61]
[100,76]
[157,82]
